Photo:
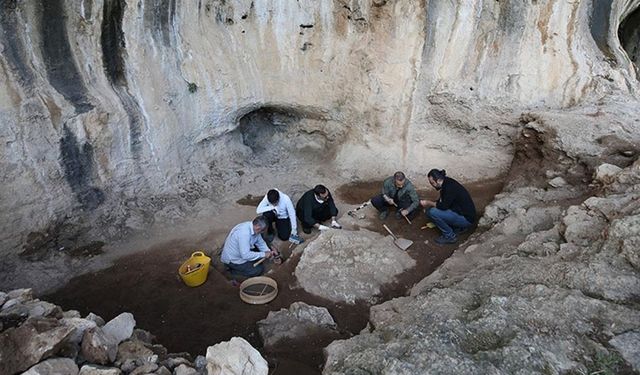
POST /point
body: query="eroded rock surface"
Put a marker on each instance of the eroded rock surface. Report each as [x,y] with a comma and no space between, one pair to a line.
[549,287]
[346,266]
[299,321]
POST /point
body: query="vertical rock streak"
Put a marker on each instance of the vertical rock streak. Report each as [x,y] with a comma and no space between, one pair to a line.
[58,56]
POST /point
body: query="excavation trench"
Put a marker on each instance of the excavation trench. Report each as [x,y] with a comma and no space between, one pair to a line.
[191,319]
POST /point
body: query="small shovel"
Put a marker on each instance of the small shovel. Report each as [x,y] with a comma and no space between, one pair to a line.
[402,243]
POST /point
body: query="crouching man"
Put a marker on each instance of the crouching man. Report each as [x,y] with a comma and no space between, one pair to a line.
[277,208]
[397,191]
[315,207]
[454,212]
[244,245]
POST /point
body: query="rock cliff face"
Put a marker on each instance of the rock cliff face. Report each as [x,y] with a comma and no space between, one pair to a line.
[118,115]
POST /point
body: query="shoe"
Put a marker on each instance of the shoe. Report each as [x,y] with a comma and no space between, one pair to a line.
[446,241]
[383,215]
[295,239]
[306,230]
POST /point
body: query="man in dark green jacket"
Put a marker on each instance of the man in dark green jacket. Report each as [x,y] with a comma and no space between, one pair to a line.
[315,207]
[397,191]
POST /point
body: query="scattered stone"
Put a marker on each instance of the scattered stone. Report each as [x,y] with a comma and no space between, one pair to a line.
[95,318]
[172,363]
[36,339]
[163,371]
[186,370]
[557,182]
[71,314]
[99,370]
[120,327]
[21,295]
[98,347]
[235,357]
[300,320]
[200,363]
[144,369]
[345,265]
[628,344]
[54,366]
[80,326]
[606,173]
[134,350]
[142,335]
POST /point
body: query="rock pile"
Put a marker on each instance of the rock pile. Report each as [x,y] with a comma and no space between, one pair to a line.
[39,338]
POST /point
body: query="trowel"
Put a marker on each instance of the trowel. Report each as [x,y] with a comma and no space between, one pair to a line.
[402,243]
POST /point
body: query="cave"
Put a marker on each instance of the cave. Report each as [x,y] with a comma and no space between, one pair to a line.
[629,35]
[137,136]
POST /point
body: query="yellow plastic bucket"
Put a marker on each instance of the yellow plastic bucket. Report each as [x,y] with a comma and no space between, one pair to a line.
[195,270]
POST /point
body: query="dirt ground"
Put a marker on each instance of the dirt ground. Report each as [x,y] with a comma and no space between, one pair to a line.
[191,319]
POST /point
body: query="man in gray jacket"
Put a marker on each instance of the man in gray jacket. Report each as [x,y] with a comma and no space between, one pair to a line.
[397,191]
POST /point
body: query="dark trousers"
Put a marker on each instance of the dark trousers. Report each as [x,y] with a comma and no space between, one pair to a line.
[321,214]
[448,221]
[283,226]
[246,269]
[381,205]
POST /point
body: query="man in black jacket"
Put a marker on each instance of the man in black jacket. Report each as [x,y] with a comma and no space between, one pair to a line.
[316,206]
[454,212]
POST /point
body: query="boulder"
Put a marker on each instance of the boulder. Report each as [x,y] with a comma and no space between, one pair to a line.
[186,370]
[3,298]
[98,347]
[235,357]
[121,327]
[345,266]
[54,366]
[162,371]
[36,339]
[300,320]
[606,173]
[99,370]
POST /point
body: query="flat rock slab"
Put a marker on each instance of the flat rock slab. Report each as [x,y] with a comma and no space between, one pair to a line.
[345,266]
[300,320]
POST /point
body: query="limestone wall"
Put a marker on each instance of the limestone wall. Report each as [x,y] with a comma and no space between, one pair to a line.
[110,107]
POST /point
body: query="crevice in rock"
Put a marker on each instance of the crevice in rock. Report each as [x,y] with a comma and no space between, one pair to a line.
[113,57]
[599,26]
[112,39]
[629,35]
[58,57]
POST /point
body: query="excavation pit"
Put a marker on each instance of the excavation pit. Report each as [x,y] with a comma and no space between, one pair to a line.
[191,319]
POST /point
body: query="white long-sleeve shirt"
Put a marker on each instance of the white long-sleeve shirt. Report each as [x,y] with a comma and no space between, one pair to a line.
[284,209]
[237,246]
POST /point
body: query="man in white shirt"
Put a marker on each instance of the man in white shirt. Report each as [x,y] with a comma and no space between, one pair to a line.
[276,207]
[244,245]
